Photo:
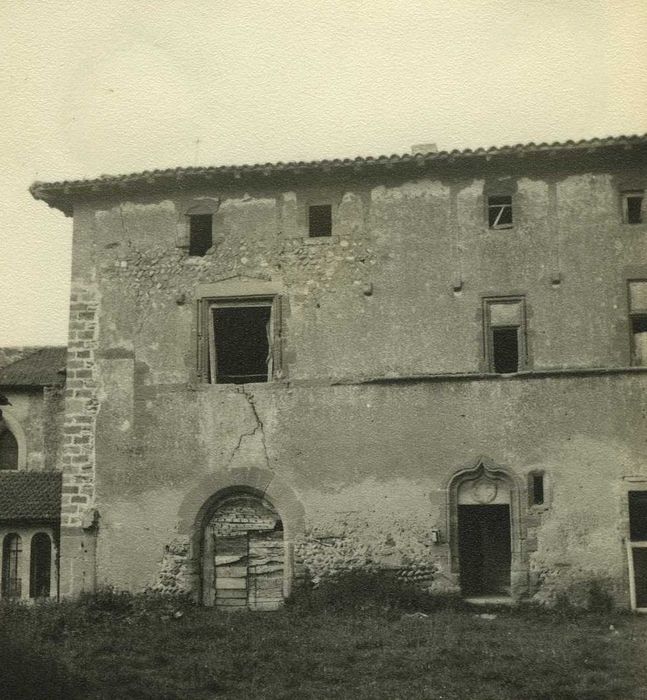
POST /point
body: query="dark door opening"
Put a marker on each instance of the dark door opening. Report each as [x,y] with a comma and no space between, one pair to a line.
[484,549]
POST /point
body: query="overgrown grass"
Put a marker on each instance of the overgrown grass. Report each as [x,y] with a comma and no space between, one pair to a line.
[349,639]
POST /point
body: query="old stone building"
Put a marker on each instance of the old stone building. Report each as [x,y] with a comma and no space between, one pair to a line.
[431,362]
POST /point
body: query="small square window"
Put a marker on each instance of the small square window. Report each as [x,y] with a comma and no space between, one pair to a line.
[500,211]
[239,340]
[200,234]
[319,220]
[632,206]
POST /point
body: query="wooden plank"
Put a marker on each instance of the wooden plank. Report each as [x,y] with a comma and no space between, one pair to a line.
[260,583]
[224,560]
[232,603]
[231,545]
[230,583]
[260,569]
[231,571]
[231,593]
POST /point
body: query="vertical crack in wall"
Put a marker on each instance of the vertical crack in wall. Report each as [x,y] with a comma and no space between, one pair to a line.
[258,427]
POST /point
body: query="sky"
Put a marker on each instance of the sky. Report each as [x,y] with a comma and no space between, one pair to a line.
[111,87]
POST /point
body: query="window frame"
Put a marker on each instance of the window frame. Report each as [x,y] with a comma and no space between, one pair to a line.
[632,315]
[489,207]
[625,195]
[206,351]
[632,545]
[522,341]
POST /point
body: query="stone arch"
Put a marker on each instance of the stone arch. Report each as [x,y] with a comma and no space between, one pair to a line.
[488,483]
[12,424]
[196,510]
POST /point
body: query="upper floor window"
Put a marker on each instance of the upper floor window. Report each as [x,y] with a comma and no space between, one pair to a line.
[200,233]
[638,321]
[499,211]
[632,206]
[319,220]
[505,334]
[239,340]
[8,447]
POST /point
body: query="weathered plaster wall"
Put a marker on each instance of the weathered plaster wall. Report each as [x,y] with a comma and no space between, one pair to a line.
[34,416]
[395,291]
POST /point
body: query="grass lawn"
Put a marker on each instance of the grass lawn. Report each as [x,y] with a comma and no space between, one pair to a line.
[71,651]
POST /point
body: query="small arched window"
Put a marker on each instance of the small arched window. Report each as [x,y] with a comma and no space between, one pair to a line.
[8,447]
[40,565]
[11,551]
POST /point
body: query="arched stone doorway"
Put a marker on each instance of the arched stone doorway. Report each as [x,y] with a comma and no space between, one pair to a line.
[197,514]
[485,532]
[244,557]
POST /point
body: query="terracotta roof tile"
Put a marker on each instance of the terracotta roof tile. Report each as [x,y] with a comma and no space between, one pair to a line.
[61,194]
[44,367]
[30,495]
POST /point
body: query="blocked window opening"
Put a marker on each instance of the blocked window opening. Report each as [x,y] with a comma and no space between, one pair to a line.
[200,234]
[319,220]
[632,205]
[40,566]
[504,328]
[500,211]
[8,448]
[11,554]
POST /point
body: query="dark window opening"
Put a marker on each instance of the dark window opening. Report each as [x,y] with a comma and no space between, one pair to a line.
[537,489]
[242,344]
[11,551]
[505,349]
[638,515]
[639,336]
[40,566]
[500,212]
[633,204]
[200,234]
[8,448]
[320,220]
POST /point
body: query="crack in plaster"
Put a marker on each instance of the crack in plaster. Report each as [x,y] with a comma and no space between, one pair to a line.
[259,426]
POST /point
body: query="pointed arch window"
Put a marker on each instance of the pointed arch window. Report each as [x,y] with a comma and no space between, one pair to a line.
[11,555]
[40,566]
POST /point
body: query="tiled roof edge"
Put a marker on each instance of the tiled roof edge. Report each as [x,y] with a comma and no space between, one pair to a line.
[57,194]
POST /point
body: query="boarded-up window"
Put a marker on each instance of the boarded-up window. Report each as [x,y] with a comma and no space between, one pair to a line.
[505,336]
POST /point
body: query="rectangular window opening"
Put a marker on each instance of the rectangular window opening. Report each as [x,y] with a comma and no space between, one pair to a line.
[320,220]
[638,516]
[632,204]
[639,340]
[241,343]
[500,211]
[537,485]
[505,349]
[200,234]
